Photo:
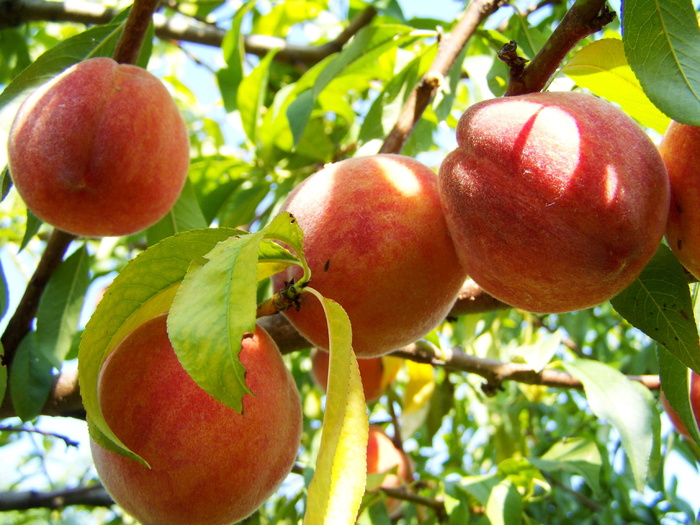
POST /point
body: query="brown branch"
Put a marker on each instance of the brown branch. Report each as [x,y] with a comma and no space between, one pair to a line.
[436,504]
[497,372]
[449,49]
[91,496]
[21,321]
[131,40]
[583,19]
[17,12]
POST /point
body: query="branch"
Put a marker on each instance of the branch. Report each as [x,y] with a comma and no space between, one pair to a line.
[583,19]
[449,49]
[68,441]
[496,372]
[21,322]
[91,496]
[130,41]
[17,12]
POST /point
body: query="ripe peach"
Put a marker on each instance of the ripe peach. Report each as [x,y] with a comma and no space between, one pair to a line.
[371,373]
[100,150]
[679,149]
[556,201]
[382,456]
[377,243]
[209,464]
[694,403]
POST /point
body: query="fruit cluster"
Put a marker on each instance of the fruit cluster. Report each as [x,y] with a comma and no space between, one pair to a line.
[552,202]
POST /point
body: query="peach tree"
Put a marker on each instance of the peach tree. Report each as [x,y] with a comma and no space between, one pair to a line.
[498,414]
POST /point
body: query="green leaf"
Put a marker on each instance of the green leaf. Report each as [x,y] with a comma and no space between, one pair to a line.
[284,15]
[240,207]
[251,96]
[215,308]
[32,228]
[144,288]
[31,378]
[184,215]
[214,179]
[368,44]
[602,68]
[335,492]
[661,39]
[627,406]
[675,381]
[211,313]
[505,505]
[60,305]
[481,486]
[4,294]
[96,41]
[539,354]
[576,455]
[3,374]
[385,109]
[658,303]
[229,78]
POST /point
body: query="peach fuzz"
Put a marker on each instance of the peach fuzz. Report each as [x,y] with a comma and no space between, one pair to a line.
[556,201]
[372,373]
[383,456]
[694,403]
[100,150]
[680,148]
[209,464]
[377,243]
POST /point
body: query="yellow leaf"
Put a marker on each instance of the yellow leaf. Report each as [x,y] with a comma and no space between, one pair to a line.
[602,68]
[390,367]
[420,387]
[336,490]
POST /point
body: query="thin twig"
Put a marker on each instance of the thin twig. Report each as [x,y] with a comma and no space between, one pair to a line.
[449,49]
[68,441]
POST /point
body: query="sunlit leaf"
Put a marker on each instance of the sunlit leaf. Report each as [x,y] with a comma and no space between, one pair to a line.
[214,308]
[661,39]
[628,407]
[504,506]
[576,455]
[143,289]
[251,96]
[233,49]
[367,45]
[336,490]
[602,67]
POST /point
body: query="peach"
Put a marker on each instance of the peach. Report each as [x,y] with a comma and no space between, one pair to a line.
[679,148]
[556,201]
[209,464]
[372,373]
[694,403]
[382,456]
[377,243]
[99,150]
